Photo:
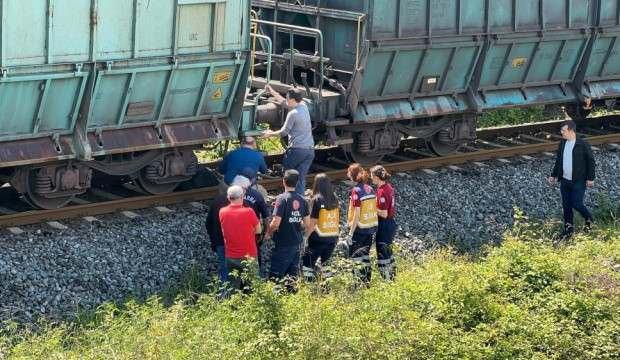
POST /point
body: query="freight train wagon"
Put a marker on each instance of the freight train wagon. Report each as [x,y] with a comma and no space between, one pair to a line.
[120,87]
[428,68]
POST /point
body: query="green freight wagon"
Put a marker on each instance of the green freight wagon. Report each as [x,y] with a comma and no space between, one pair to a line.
[428,68]
[122,87]
[599,78]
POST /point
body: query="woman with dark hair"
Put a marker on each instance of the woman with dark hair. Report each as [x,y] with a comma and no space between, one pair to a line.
[387,224]
[323,228]
[362,220]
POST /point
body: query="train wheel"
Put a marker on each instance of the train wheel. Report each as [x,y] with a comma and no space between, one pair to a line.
[363,159]
[353,153]
[27,179]
[154,188]
[164,174]
[441,146]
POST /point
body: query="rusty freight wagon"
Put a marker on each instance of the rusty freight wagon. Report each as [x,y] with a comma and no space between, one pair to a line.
[428,68]
[121,87]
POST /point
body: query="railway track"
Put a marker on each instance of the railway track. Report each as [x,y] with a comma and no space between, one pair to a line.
[492,144]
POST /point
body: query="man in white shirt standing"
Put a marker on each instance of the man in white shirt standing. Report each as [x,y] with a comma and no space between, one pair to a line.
[575,169]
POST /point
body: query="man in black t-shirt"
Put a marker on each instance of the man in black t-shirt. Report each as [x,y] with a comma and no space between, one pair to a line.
[290,217]
[214,230]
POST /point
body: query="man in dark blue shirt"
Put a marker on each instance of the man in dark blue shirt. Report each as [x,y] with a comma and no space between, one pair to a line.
[290,217]
[244,157]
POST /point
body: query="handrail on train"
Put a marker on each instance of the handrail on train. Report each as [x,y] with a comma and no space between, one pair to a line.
[269,52]
[304,31]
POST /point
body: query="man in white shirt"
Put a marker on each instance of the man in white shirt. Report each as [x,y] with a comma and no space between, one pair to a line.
[575,169]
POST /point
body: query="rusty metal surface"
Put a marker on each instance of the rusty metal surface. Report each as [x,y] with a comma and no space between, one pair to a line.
[35,151]
[147,137]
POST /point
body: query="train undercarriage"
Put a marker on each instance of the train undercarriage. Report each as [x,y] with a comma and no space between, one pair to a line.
[52,186]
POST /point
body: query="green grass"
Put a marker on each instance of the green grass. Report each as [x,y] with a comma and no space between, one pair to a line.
[512,117]
[531,298]
[216,151]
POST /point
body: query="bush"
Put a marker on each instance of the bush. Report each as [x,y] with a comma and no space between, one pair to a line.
[512,117]
[526,299]
[216,151]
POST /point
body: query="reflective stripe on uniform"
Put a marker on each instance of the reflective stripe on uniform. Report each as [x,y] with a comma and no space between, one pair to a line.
[362,261]
[361,258]
[385,261]
[308,272]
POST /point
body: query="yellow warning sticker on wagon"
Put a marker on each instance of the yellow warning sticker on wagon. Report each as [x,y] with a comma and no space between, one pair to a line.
[222,77]
[519,62]
[217,94]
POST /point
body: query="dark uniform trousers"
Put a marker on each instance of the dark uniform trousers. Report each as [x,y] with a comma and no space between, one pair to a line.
[360,250]
[318,248]
[384,243]
[284,262]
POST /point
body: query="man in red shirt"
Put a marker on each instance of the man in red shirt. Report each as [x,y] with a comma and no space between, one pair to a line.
[239,227]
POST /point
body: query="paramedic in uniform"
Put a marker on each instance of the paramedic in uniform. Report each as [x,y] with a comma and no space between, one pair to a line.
[290,217]
[362,220]
[386,211]
[323,228]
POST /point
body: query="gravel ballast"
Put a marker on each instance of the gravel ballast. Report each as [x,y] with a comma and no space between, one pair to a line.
[53,273]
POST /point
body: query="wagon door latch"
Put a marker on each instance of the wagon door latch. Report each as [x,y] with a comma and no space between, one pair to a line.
[99,136]
[56,141]
[158,131]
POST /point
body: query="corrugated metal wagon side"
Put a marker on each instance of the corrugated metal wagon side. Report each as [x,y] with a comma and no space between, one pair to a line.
[405,67]
[125,87]
[601,74]
[533,52]
[428,68]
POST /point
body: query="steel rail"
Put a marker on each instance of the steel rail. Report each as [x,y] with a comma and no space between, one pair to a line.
[141,202]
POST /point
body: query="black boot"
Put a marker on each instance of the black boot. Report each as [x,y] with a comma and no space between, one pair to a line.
[567,233]
[588,225]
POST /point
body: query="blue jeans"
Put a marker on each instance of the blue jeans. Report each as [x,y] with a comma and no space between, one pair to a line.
[222,269]
[572,198]
[300,160]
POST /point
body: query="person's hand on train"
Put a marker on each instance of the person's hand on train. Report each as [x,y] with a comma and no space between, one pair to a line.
[268,133]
